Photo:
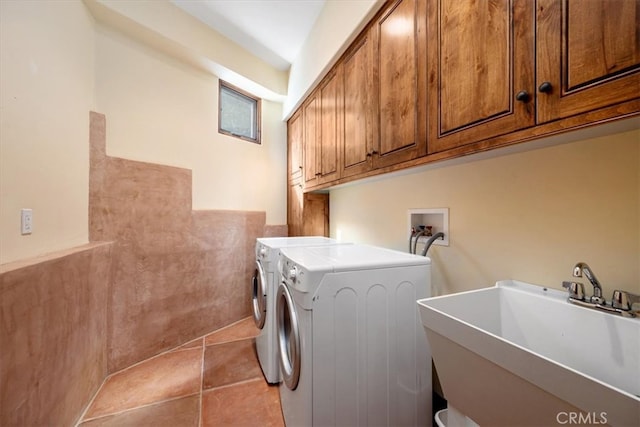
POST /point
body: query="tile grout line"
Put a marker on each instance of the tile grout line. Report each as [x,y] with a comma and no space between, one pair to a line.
[182,349]
[110,376]
[139,407]
[172,350]
[229,326]
[151,358]
[93,398]
[250,380]
[229,341]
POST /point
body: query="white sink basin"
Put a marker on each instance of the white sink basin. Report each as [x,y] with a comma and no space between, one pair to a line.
[520,354]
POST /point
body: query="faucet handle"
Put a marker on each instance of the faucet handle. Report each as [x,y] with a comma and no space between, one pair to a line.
[576,290]
[624,300]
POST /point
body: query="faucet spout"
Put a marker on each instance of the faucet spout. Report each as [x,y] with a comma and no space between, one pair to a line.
[581,268]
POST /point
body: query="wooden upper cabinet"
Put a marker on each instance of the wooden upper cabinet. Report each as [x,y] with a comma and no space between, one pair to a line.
[399,72]
[480,70]
[359,107]
[588,55]
[322,132]
[452,77]
[294,144]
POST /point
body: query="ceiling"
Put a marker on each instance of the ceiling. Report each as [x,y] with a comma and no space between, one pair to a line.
[272,30]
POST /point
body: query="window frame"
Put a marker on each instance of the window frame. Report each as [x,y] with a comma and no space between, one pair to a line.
[223,85]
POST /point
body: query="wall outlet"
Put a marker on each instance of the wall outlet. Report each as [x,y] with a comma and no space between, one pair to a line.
[26,221]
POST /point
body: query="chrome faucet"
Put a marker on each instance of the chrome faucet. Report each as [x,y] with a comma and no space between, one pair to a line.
[581,268]
[622,303]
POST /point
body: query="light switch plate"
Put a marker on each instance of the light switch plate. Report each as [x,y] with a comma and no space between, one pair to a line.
[26,221]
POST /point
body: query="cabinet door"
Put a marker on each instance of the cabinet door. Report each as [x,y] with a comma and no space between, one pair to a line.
[311,112]
[294,146]
[588,55]
[399,57]
[481,62]
[295,204]
[315,215]
[327,150]
[307,214]
[359,107]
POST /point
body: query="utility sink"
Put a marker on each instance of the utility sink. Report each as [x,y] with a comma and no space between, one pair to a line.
[521,354]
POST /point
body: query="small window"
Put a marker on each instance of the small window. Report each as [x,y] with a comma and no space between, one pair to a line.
[239,114]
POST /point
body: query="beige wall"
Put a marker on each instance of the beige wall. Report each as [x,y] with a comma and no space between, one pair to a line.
[58,64]
[46,92]
[528,216]
[162,111]
[169,29]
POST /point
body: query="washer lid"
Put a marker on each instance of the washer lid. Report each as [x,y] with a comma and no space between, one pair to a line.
[283,242]
[349,258]
[302,258]
[365,257]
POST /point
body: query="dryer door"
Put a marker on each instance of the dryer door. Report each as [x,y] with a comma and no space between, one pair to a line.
[288,337]
[259,296]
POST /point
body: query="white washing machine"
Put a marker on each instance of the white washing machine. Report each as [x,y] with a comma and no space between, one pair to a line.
[352,351]
[265,284]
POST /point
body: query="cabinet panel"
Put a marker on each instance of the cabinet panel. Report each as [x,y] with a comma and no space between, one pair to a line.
[588,57]
[478,56]
[295,141]
[316,215]
[600,40]
[311,110]
[330,129]
[307,214]
[481,56]
[295,200]
[400,48]
[359,107]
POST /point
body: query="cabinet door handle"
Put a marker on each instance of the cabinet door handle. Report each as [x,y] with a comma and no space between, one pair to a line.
[374,152]
[318,174]
[300,167]
[523,96]
[369,154]
[545,87]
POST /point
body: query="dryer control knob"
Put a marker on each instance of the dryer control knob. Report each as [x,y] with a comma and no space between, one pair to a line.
[293,273]
[263,251]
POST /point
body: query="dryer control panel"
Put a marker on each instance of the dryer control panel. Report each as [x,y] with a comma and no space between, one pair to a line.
[301,270]
[293,275]
[288,270]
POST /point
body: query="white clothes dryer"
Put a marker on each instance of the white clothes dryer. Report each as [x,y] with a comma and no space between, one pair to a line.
[351,345]
[265,283]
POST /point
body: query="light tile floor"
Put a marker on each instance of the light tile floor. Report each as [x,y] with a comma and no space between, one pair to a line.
[212,381]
